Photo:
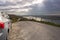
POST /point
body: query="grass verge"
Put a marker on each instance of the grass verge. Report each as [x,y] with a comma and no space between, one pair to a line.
[15,18]
[49,23]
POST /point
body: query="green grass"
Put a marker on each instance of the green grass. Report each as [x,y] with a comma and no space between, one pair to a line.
[49,23]
[15,18]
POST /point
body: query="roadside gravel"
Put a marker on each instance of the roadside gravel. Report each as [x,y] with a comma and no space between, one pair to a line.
[14,33]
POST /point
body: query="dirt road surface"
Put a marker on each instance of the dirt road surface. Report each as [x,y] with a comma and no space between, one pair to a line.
[27,30]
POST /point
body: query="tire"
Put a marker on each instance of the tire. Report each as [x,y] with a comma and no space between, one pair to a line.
[8,30]
[6,38]
[7,35]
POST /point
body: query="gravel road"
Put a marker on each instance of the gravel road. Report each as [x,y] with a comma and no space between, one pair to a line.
[27,30]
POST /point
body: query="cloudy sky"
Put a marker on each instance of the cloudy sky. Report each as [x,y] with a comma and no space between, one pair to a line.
[31,7]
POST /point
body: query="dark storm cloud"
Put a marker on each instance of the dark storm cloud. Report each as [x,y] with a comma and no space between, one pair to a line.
[52,5]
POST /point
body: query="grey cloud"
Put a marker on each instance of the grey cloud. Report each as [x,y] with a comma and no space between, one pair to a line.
[7,3]
[35,9]
[23,2]
[50,7]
